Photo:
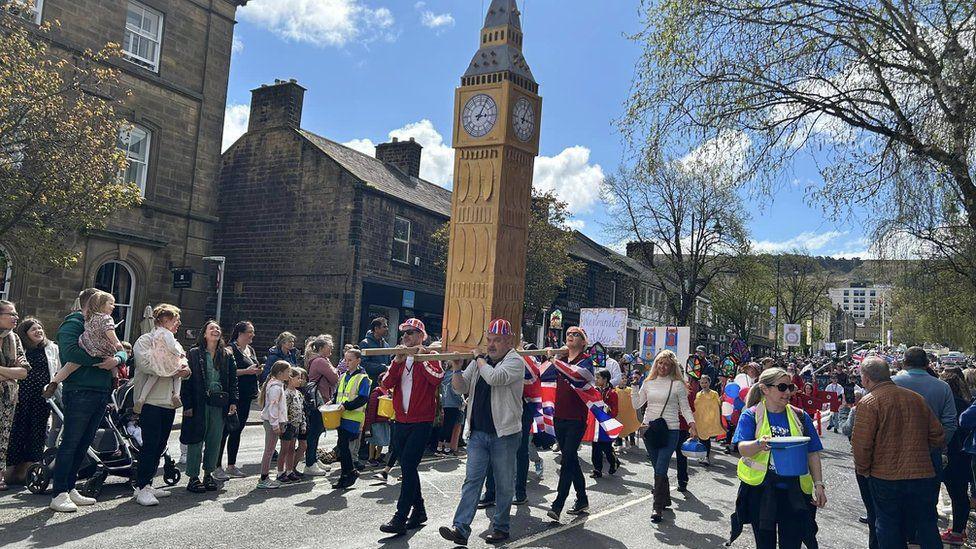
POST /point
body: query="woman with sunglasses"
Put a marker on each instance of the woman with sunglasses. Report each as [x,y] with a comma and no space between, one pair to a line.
[776,506]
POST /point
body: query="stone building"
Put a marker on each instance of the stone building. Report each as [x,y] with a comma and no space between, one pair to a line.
[320,238]
[176,63]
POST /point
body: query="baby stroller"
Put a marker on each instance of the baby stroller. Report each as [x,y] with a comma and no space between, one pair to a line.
[114,451]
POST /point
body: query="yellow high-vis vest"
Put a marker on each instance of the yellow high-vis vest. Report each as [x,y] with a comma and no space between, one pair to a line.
[349,390]
[752,470]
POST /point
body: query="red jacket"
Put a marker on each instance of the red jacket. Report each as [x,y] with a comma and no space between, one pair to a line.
[423,391]
[372,408]
[610,399]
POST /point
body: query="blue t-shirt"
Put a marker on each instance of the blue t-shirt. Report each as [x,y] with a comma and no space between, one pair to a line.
[779,425]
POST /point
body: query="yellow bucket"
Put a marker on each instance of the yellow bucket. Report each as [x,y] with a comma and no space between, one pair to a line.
[331,415]
[385,407]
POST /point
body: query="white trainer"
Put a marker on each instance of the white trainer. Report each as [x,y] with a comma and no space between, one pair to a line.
[234,472]
[145,497]
[315,471]
[62,503]
[79,499]
[159,492]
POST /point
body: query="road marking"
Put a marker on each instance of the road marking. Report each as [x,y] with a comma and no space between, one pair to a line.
[525,542]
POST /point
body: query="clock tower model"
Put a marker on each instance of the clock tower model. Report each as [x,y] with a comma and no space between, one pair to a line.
[496,136]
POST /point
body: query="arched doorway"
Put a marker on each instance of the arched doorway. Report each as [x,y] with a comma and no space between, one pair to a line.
[116,278]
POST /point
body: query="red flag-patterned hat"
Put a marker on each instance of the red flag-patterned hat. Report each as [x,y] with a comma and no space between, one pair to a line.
[414,324]
[500,326]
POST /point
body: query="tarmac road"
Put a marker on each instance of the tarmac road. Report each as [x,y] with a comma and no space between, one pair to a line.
[311,514]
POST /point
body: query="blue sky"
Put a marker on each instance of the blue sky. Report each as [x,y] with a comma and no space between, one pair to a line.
[375,69]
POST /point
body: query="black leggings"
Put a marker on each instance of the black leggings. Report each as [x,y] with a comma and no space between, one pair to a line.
[601,449]
[956,477]
[569,435]
[232,439]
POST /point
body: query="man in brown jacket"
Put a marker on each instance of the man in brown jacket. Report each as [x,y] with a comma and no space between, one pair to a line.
[894,432]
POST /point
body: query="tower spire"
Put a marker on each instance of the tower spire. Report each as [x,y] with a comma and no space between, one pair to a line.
[501,13]
[500,49]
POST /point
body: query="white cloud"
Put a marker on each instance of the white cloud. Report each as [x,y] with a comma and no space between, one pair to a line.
[808,241]
[237,46]
[571,177]
[437,159]
[320,22]
[365,146]
[569,174]
[437,162]
[235,123]
[576,224]
[433,20]
[724,156]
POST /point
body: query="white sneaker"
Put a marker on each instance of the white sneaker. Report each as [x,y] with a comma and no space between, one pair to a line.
[233,472]
[62,503]
[79,499]
[220,475]
[314,470]
[145,497]
[159,492]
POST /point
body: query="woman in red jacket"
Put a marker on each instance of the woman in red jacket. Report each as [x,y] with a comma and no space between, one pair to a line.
[414,385]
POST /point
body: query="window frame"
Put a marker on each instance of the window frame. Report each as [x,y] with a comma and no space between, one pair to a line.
[406,259]
[130,306]
[144,178]
[136,59]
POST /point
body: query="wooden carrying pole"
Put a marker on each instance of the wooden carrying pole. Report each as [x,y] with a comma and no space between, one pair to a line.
[400,351]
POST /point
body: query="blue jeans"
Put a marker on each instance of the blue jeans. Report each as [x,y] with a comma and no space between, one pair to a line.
[83,412]
[521,458]
[661,457]
[486,451]
[315,430]
[905,506]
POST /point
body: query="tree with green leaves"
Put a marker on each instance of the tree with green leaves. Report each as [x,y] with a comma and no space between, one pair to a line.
[548,263]
[741,299]
[934,306]
[60,165]
[883,94]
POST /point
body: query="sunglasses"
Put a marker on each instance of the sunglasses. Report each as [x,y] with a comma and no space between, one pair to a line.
[409,332]
[783,387]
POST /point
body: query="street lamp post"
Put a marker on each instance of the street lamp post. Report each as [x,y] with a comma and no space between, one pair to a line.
[220,261]
[776,313]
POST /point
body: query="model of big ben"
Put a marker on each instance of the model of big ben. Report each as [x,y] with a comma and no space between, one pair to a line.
[496,135]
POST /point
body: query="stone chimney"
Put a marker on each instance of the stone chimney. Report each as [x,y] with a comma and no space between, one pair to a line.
[641,251]
[405,155]
[276,105]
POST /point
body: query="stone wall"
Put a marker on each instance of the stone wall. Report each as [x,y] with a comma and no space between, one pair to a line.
[183,106]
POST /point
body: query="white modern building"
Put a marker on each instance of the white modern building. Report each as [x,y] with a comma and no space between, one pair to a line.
[861,301]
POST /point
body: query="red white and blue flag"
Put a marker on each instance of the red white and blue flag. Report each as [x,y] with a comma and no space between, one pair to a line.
[580,377]
[541,422]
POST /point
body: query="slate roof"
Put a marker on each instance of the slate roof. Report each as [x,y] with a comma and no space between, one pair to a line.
[588,250]
[504,57]
[502,12]
[385,178]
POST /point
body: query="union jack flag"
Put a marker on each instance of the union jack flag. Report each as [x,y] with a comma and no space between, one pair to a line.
[580,377]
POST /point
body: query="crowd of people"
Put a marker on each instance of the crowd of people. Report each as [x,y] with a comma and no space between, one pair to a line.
[910,431]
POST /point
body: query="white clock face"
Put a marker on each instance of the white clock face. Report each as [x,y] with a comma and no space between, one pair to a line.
[479,115]
[523,119]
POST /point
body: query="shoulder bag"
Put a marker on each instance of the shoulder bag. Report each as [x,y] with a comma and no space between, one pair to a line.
[657,430]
